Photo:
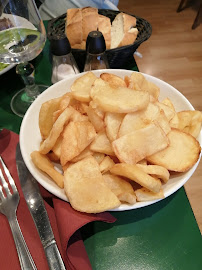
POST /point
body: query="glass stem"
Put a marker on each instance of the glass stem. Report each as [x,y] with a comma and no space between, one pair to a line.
[26,71]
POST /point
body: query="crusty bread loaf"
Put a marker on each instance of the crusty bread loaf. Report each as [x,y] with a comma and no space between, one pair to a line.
[129,37]
[89,20]
[74,30]
[122,31]
[81,21]
[104,26]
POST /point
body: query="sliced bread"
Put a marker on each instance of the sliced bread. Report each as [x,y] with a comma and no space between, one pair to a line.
[123,31]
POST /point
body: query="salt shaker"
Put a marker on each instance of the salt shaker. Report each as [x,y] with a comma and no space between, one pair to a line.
[95,52]
[64,63]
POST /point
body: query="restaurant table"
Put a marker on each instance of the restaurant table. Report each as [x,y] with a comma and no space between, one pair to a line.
[162,236]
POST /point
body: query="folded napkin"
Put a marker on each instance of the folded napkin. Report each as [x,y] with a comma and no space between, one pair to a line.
[65,222]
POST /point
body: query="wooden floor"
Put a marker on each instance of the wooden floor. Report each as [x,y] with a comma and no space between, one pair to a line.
[173,53]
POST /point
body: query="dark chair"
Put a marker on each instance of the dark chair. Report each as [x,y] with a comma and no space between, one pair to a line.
[185,4]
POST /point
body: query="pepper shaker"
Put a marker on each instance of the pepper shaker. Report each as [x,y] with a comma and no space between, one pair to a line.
[95,52]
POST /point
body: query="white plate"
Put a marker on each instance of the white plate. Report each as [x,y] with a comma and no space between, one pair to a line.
[30,135]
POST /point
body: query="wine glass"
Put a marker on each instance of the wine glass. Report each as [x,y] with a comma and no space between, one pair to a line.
[22,38]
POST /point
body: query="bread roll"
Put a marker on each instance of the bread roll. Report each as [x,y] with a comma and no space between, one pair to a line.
[89,20]
[74,26]
[104,26]
[122,31]
[129,37]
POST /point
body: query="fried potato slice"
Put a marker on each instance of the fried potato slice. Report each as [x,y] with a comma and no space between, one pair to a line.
[113,80]
[56,130]
[46,116]
[156,171]
[44,164]
[133,172]
[102,144]
[106,164]
[85,153]
[140,119]
[95,119]
[139,144]
[174,122]
[168,103]
[80,89]
[53,157]
[98,157]
[113,122]
[120,187]
[139,82]
[76,137]
[190,122]
[144,195]
[86,189]
[167,110]
[57,146]
[119,100]
[181,154]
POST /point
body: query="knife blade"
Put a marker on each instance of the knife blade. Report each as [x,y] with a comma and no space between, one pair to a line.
[38,212]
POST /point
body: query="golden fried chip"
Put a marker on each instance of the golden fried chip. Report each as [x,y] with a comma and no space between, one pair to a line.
[119,100]
[98,157]
[134,173]
[95,119]
[56,130]
[139,82]
[44,164]
[120,187]
[169,103]
[181,154]
[167,110]
[156,171]
[57,146]
[76,137]
[46,116]
[137,120]
[86,188]
[113,122]
[52,156]
[113,80]
[139,144]
[144,195]
[190,122]
[81,87]
[102,144]
[106,164]
[85,153]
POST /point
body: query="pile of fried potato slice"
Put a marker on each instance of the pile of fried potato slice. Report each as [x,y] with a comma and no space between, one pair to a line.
[115,141]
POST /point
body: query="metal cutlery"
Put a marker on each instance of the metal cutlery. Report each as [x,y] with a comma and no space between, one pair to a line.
[8,207]
[37,209]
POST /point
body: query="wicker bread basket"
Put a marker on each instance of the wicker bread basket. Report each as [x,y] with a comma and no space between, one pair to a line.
[117,57]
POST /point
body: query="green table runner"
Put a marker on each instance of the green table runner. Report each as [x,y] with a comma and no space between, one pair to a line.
[162,236]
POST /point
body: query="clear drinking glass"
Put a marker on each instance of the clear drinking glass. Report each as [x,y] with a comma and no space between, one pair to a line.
[22,38]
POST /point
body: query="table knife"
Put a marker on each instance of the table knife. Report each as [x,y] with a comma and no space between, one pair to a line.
[37,209]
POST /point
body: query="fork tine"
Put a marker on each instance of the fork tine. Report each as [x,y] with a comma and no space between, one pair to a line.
[5,184]
[10,179]
[1,193]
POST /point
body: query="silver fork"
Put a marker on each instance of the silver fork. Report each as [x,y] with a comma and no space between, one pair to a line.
[8,207]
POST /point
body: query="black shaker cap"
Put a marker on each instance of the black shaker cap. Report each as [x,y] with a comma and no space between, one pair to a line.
[60,45]
[95,43]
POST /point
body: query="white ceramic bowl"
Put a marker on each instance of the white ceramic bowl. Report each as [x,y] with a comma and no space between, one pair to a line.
[30,135]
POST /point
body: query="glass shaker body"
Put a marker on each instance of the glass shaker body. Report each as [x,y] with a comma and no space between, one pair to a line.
[63,66]
[96,61]
[96,57]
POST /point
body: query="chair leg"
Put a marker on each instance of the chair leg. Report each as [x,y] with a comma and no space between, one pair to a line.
[180,7]
[197,19]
